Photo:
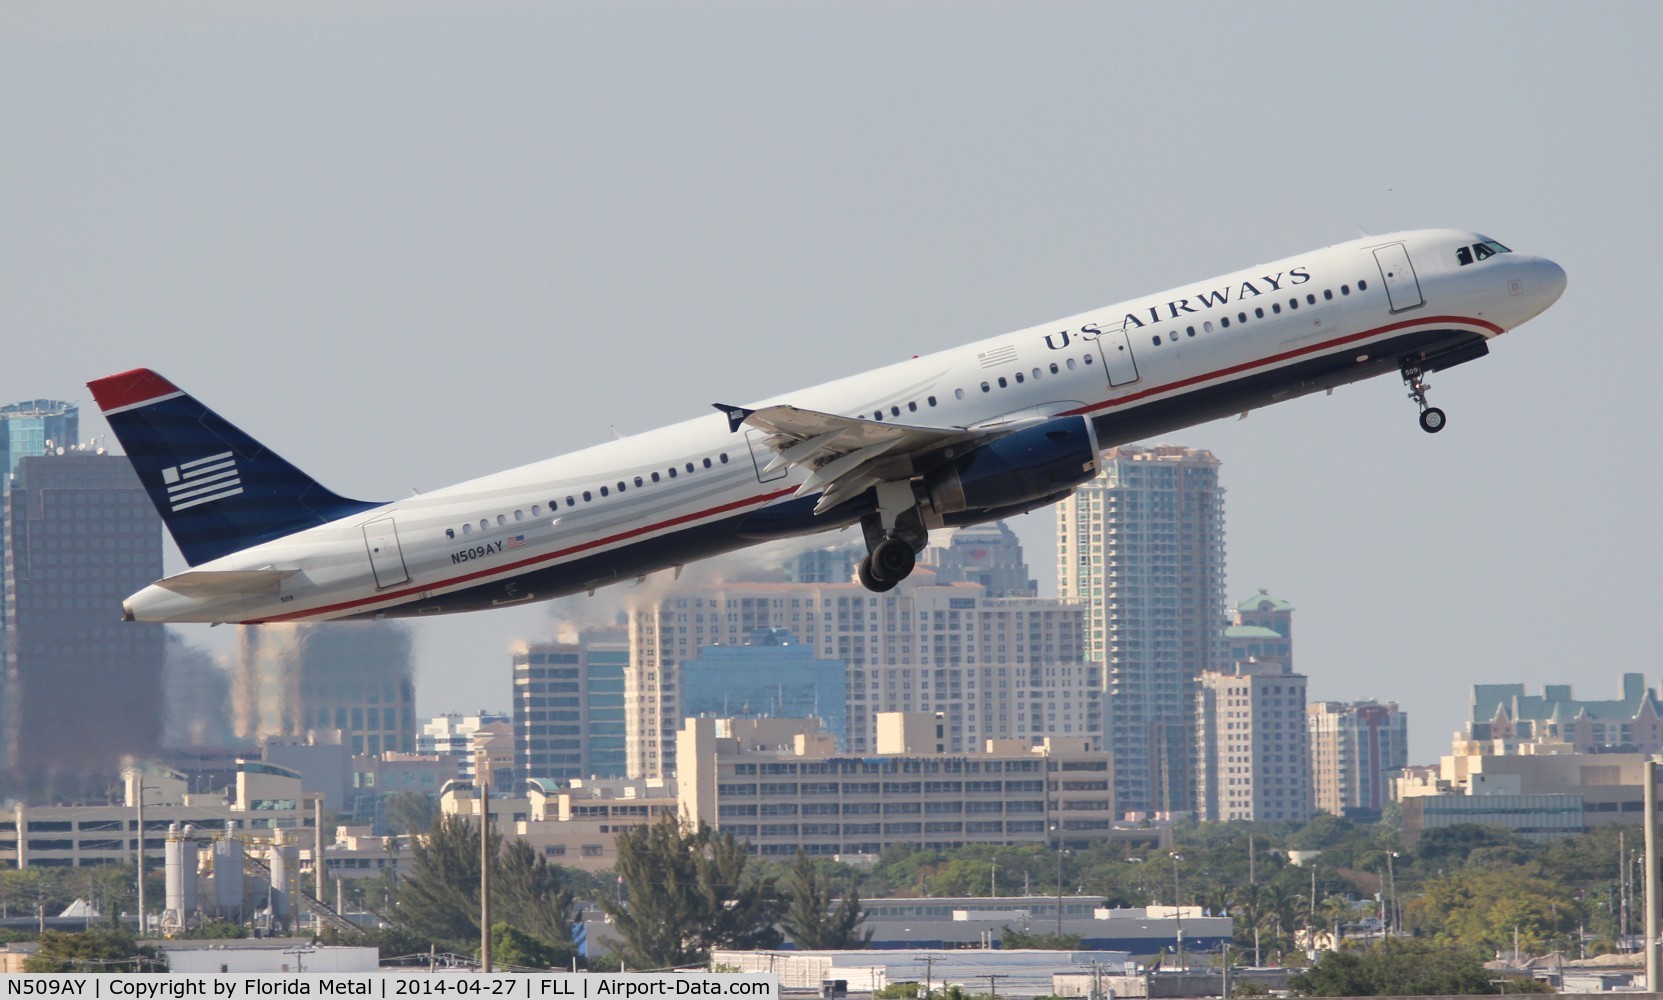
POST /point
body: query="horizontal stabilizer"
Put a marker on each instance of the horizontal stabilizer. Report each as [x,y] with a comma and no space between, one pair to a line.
[208,583]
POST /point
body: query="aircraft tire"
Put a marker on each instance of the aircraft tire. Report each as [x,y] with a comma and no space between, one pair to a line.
[870,582]
[1432,420]
[893,559]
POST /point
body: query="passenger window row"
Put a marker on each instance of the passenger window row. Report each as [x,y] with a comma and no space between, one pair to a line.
[588,496]
[1258,313]
[1002,382]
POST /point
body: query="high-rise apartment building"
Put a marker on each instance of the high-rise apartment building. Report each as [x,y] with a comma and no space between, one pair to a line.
[1356,747]
[996,668]
[985,554]
[1251,760]
[290,678]
[1142,548]
[569,708]
[81,687]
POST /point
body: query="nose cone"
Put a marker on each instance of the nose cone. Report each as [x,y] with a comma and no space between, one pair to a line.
[1550,278]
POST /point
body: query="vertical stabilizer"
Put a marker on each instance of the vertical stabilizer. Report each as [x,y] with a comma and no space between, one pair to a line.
[218,490]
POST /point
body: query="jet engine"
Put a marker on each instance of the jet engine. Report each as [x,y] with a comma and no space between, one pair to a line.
[1031,466]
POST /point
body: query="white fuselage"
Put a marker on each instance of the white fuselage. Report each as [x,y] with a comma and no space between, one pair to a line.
[1147,365]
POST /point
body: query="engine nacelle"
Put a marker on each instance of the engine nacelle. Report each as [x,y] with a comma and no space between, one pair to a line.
[1030,465]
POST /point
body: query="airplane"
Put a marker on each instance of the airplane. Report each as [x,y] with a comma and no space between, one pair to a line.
[963,436]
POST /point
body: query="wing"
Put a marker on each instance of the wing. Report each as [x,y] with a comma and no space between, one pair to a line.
[843,456]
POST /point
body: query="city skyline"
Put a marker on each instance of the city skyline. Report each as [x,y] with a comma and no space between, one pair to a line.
[764,201]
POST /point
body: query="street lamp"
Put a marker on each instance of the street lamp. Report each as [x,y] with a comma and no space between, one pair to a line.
[1177,908]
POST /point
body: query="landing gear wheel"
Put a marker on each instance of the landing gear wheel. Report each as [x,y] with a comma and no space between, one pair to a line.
[893,559]
[1431,418]
[864,573]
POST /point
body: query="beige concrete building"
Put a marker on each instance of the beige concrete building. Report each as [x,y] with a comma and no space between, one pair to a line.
[783,788]
[1542,789]
[995,668]
[572,823]
[265,798]
[1252,761]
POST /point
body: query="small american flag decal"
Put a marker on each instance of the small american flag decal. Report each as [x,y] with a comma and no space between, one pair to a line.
[191,484]
[996,357]
[516,542]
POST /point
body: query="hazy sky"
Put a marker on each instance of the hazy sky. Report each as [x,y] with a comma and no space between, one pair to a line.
[410,243]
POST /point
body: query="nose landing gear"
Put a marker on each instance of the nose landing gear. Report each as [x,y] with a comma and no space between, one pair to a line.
[1432,419]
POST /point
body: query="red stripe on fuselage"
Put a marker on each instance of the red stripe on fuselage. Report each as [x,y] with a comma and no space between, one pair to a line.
[524,563]
[1284,356]
[766,497]
[129,388]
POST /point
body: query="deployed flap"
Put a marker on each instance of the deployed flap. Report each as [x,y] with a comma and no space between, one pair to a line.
[211,583]
[844,455]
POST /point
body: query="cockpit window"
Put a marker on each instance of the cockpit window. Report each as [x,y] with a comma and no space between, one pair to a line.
[1479,251]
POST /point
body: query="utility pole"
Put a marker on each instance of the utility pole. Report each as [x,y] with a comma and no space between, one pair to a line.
[993,984]
[1254,882]
[484,877]
[1652,979]
[929,965]
[317,853]
[138,780]
[1060,853]
[1391,906]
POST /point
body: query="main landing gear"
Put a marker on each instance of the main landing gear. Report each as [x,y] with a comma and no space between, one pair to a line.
[895,534]
[1431,418]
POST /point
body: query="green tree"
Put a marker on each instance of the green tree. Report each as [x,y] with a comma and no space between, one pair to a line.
[410,812]
[686,893]
[1010,938]
[512,947]
[438,900]
[1400,967]
[533,896]
[809,916]
[1486,908]
[93,951]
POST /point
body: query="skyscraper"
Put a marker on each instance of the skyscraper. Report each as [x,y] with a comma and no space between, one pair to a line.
[996,668]
[988,554]
[25,430]
[769,675]
[1142,546]
[1251,761]
[353,676]
[81,686]
[569,707]
[1355,749]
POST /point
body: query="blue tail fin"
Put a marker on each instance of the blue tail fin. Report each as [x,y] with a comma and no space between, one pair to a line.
[218,490]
